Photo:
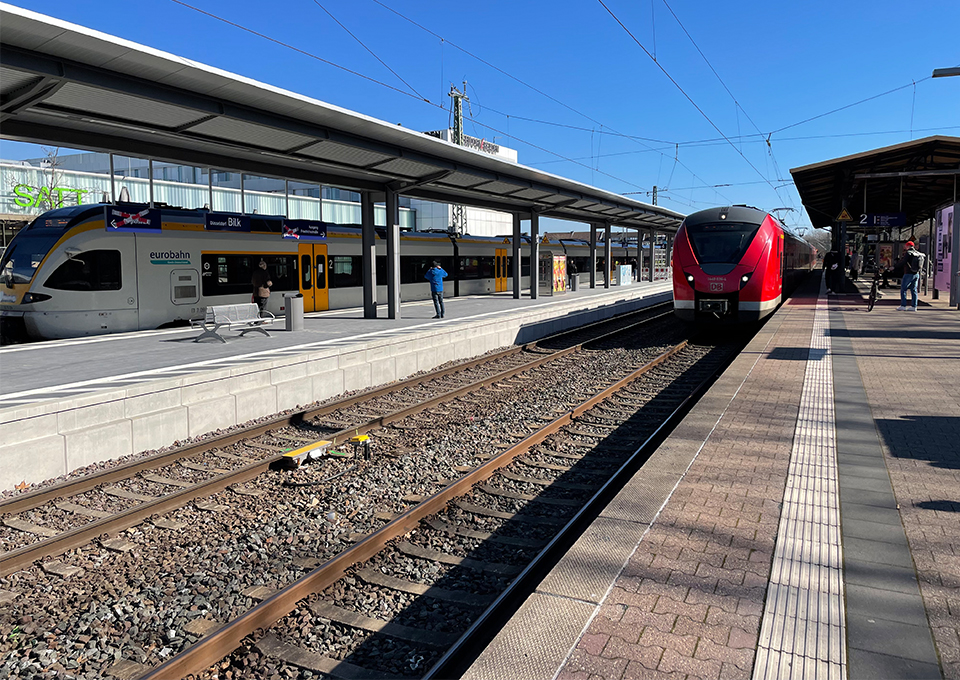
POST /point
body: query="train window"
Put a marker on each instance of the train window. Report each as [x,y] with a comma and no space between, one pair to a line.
[92,270]
[476,268]
[413,268]
[525,265]
[720,242]
[321,271]
[306,271]
[231,274]
[345,271]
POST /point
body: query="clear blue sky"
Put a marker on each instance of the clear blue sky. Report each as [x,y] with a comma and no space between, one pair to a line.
[610,115]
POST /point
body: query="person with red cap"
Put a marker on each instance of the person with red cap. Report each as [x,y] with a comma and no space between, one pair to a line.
[912,263]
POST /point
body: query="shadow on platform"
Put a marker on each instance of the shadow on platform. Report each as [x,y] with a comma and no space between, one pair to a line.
[927,438]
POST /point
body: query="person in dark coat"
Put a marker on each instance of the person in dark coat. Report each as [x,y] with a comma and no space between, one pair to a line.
[830,263]
[435,275]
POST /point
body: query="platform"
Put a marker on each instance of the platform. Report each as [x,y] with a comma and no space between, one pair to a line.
[70,403]
[801,522]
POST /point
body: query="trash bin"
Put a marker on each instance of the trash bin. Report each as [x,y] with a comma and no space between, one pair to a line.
[575,282]
[293,303]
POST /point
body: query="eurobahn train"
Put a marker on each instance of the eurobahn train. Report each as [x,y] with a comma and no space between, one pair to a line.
[735,264]
[67,274]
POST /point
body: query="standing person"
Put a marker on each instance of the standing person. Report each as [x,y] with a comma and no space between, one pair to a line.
[261,284]
[830,263]
[855,265]
[912,263]
[435,275]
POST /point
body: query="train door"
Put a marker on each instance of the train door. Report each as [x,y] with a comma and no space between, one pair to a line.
[312,267]
[501,269]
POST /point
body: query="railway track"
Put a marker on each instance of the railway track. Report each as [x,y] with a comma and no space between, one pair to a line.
[74,513]
[497,525]
[177,584]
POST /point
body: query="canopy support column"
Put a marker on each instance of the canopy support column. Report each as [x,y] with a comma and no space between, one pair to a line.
[653,259]
[593,255]
[534,255]
[515,262]
[393,255]
[607,254]
[368,236]
[639,253]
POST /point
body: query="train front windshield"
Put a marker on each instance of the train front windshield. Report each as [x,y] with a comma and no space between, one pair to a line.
[25,253]
[720,242]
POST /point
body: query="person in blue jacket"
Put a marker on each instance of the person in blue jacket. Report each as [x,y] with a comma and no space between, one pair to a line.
[435,275]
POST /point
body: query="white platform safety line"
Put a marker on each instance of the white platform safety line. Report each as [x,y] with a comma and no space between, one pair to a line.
[802,633]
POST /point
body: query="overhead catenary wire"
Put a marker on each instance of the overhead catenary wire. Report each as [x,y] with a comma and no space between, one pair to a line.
[522,82]
[395,89]
[372,53]
[682,91]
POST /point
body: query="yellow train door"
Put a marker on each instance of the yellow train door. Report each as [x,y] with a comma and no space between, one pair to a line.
[312,267]
[501,269]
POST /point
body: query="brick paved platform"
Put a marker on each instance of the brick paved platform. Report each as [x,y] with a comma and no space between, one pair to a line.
[696,564]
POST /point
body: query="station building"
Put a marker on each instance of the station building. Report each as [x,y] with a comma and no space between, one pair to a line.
[31,187]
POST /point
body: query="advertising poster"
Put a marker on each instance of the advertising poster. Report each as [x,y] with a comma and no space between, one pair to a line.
[625,274]
[134,218]
[885,255]
[944,249]
[559,273]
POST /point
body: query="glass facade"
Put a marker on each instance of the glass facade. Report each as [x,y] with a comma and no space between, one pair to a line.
[28,190]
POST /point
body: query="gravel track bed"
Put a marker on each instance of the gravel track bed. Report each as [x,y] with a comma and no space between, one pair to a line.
[394,563]
[474,548]
[202,569]
[337,641]
[387,604]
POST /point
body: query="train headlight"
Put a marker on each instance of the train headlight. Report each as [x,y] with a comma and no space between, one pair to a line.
[690,279]
[34,297]
[745,279]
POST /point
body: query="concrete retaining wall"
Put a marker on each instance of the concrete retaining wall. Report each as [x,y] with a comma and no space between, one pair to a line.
[52,438]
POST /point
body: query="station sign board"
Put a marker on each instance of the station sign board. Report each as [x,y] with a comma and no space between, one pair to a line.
[135,218]
[226,222]
[304,230]
[883,220]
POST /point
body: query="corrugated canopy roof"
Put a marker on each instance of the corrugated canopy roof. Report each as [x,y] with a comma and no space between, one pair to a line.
[67,85]
[914,178]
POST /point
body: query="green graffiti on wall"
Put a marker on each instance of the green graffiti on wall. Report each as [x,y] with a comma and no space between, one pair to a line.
[31,197]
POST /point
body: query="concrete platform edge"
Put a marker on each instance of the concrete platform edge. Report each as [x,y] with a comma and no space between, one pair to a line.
[47,439]
[531,653]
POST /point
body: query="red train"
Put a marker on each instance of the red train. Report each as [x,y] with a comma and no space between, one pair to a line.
[735,264]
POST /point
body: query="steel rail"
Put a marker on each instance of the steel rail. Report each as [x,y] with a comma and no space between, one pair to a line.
[33,499]
[211,649]
[461,655]
[68,540]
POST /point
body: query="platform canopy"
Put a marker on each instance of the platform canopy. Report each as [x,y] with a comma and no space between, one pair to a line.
[912,179]
[67,85]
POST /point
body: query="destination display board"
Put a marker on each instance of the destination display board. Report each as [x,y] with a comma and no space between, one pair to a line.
[135,218]
[304,230]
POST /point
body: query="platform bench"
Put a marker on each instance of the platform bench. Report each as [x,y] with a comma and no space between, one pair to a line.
[245,317]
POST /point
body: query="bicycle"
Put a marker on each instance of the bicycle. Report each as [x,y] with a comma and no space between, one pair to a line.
[875,293]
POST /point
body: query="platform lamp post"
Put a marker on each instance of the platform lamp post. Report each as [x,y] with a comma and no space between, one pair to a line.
[955,262]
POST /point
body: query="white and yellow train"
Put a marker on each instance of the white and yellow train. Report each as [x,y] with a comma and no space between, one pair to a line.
[68,275]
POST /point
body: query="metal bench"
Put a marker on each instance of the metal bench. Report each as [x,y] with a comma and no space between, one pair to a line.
[232,317]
